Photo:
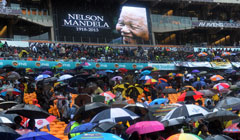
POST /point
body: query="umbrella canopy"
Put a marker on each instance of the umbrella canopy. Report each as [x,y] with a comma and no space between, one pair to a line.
[174,122]
[221,86]
[123,70]
[109,71]
[90,109]
[203,72]
[7,133]
[190,95]
[187,88]
[146,77]
[40,123]
[158,101]
[221,115]
[102,72]
[28,111]
[184,136]
[208,92]
[187,111]
[226,54]
[117,78]
[179,75]
[145,127]
[162,80]
[108,95]
[133,91]
[216,78]
[219,137]
[29,70]
[146,72]
[234,128]
[38,136]
[151,82]
[41,77]
[232,103]
[198,84]
[229,71]
[114,115]
[195,71]
[86,127]
[8,68]
[47,72]
[138,108]
[217,58]
[10,91]
[7,104]
[169,91]
[147,68]
[96,136]
[158,110]
[103,127]
[5,120]
[202,54]
[13,75]
[65,77]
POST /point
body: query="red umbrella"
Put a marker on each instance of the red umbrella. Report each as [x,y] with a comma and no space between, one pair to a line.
[190,56]
[123,70]
[234,128]
[194,94]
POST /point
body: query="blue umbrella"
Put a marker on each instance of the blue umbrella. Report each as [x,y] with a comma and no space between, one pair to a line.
[41,77]
[146,77]
[229,71]
[68,127]
[101,72]
[146,72]
[87,127]
[195,71]
[109,71]
[96,136]
[158,101]
[199,84]
[162,86]
[38,136]
[47,72]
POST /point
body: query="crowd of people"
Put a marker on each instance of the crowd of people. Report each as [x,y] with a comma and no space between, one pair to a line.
[67,52]
[147,90]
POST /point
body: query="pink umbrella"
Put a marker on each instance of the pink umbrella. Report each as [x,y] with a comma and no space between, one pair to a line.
[23,131]
[145,127]
[234,128]
[108,95]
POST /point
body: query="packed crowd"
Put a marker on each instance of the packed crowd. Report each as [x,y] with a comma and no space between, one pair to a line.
[122,104]
[66,52]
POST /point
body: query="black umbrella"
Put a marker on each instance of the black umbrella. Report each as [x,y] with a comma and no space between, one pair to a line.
[9,116]
[7,133]
[229,102]
[8,68]
[82,99]
[90,110]
[7,104]
[1,100]
[222,115]
[104,127]
[28,111]
[13,76]
[138,108]
[219,137]
[169,91]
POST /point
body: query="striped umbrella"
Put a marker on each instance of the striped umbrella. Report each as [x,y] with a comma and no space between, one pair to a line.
[12,91]
[162,80]
[146,77]
[190,94]
[184,136]
[234,128]
[216,78]
[114,115]
[202,54]
[226,54]
[108,95]
[41,77]
[151,82]
[221,86]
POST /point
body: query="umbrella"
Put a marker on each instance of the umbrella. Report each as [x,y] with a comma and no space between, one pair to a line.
[123,70]
[158,101]
[195,71]
[162,86]
[218,137]
[1,100]
[114,115]
[65,77]
[90,109]
[159,110]
[199,84]
[221,86]
[216,78]
[2,78]
[203,72]
[226,54]
[190,95]
[169,91]
[202,54]
[190,56]
[217,58]
[38,136]
[133,91]
[179,75]
[188,111]
[7,133]
[146,72]
[121,86]
[11,91]
[103,127]
[68,128]
[145,127]
[146,77]
[28,111]
[109,71]
[138,108]
[108,95]
[86,127]
[229,71]
[117,78]
[7,104]
[102,72]
[82,99]
[147,68]
[184,136]
[41,77]
[8,68]
[173,122]
[151,82]
[40,123]
[23,131]
[96,136]
[234,128]
[187,88]
[221,115]
[162,80]
[29,71]
[13,76]
[171,74]
[47,72]
[5,120]
[229,102]
[208,92]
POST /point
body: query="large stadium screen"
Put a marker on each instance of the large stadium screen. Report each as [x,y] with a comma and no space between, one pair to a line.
[124,25]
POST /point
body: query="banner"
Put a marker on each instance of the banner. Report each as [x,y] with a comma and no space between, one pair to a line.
[221,65]
[194,64]
[8,10]
[71,65]
[216,24]
[163,66]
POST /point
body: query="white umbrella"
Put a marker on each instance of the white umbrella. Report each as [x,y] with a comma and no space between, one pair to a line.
[5,120]
[65,77]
